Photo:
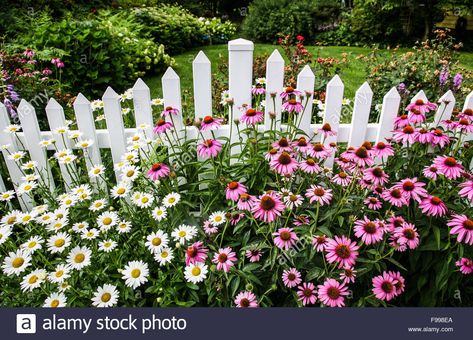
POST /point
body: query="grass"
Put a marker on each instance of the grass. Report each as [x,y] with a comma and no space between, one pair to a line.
[352,73]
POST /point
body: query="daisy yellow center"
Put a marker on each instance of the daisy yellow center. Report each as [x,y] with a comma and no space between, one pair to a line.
[144,200]
[33,279]
[121,191]
[27,187]
[164,254]
[54,303]
[90,234]
[182,233]
[106,297]
[59,273]
[59,242]
[171,200]
[96,171]
[26,218]
[18,262]
[79,258]
[135,273]
[156,241]
[32,244]
[196,271]
[218,218]
[107,244]
[130,173]
[107,221]
[68,201]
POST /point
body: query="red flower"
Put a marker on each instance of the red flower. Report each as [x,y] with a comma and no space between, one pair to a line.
[300,38]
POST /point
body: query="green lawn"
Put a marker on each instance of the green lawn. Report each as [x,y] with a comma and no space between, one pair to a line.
[352,73]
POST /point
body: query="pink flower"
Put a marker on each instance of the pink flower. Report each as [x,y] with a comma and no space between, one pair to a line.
[234,190]
[258,89]
[309,166]
[394,222]
[384,287]
[307,293]
[326,130]
[466,265]
[401,121]
[196,253]
[382,149]
[158,171]
[290,91]
[284,164]
[416,116]
[28,53]
[423,136]
[302,146]
[399,282]
[254,255]
[319,194]
[162,126]
[224,259]
[292,105]
[320,151]
[285,238]
[282,145]
[268,207]
[406,135]
[251,117]
[235,218]
[407,235]
[395,196]
[341,250]
[439,138]
[362,157]
[320,242]
[209,148]
[300,220]
[421,106]
[467,189]
[463,227]
[332,293]
[169,110]
[342,178]
[411,188]
[348,275]
[291,277]
[464,125]
[373,203]
[430,172]
[210,229]
[433,206]
[377,176]
[246,300]
[246,202]
[448,166]
[369,231]
[210,123]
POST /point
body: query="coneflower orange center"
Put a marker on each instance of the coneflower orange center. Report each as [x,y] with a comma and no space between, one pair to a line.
[156,167]
[285,235]
[233,185]
[284,158]
[333,293]
[267,203]
[450,161]
[468,224]
[342,251]
[370,228]
[361,152]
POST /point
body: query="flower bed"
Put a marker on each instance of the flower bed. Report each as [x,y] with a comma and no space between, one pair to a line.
[256,220]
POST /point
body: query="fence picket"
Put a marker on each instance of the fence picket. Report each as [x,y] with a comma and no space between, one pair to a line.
[468,102]
[202,77]
[445,109]
[333,109]
[274,85]
[172,96]
[142,106]
[361,114]
[116,132]
[56,119]
[305,83]
[32,136]
[389,111]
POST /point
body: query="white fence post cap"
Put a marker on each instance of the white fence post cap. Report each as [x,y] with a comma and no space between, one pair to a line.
[240,45]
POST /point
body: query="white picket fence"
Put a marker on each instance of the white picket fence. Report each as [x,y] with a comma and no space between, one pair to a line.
[240,84]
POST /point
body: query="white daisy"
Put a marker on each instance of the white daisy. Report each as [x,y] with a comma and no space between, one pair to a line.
[13,128]
[123,227]
[129,173]
[157,101]
[157,241]
[45,218]
[33,244]
[46,142]
[82,192]
[90,234]
[16,262]
[5,232]
[68,159]
[293,201]
[57,225]
[16,156]
[159,213]
[55,300]
[26,187]
[79,257]
[217,218]
[131,157]
[7,196]
[79,227]
[29,178]
[61,130]
[106,220]
[120,190]
[196,272]
[26,217]
[107,245]
[96,171]
[96,104]
[31,165]
[135,273]
[64,287]
[75,134]
[171,199]
[98,205]
[184,233]
[84,144]
[68,201]
[60,273]
[62,153]
[134,139]
[57,243]
[11,218]
[33,280]
[105,296]
[61,213]
[39,209]
[142,199]
[164,256]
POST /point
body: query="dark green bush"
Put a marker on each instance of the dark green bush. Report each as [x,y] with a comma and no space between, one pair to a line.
[267,18]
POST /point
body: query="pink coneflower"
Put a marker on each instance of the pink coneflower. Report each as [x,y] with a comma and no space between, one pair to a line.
[384,287]
[292,105]
[362,157]
[326,130]
[209,148]
[373,203]
[423,136]
[433,206]
[320,151]
[300,220]
[285,238]
[309,166]
[254,255]
[196,253]
[209,228]
[282,145]
[302,145]
[466,265]
[439,138]
[251,117]
[169,110]
[411,188]
[377,176]
[224,259]
[448,166]
[235,218]
[319,194]
[307,293]
[463,227]
[399,282]
[407,235]
[421,106]
[291,277]
[394,242]
[290,91]
[369,231]
[320,242]
[246,300]
[342,178]
[258,89]
[293,200]
[284,164]
[406,135]
[271,154]
[401,121]
[332,293]
[341,250]
[162,126]
[210,123]
[348,275]
[382,149]
[430,172]
[415,117]
[463,125]
[246,202]
[395,196]
[394,222]
[467,189]
[468,114]
[449,124]
[158,171]
[268,207]
[234,190]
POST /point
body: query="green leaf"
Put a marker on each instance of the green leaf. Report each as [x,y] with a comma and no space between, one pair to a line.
[393,261]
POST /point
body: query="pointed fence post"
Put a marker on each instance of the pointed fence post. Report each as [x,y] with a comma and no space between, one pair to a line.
[361,114]
[202,76]
[274,85]
[445,109]
[172,97]
[116,131]
[333,109]
[389,111]
[56,119]
[305,83]
[142,106]
[29,124]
